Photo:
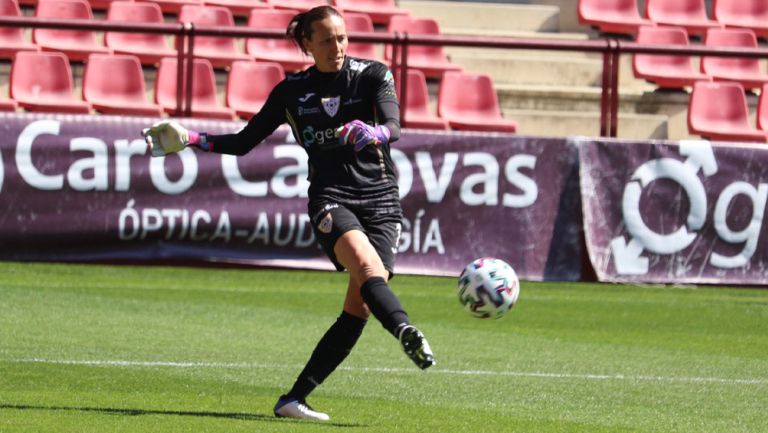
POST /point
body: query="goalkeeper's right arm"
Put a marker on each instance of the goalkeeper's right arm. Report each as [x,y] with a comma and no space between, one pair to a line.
[168,136]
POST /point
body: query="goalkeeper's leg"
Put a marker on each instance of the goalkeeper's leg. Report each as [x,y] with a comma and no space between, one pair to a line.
[367,270]
[329,353]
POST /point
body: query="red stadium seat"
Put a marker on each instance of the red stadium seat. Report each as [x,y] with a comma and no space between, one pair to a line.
[249,84]
[148,47]
[12,38]
[665,71]
[689,14]
[114,84]
[418,114]
[718,111]
[76,44]
[431,60]
[240,8]
[282,51]
[103,4]
[749,14]
[204,97]
[746,71]
[612,16]
[469,102]
[296,6]
[42,81]
[221,51]
[762,109]
[356,22]
[174,6]
[380,11]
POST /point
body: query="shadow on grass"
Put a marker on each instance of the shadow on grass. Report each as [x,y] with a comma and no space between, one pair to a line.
[138,412]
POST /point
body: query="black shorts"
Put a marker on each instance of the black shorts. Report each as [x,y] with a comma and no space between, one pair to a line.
[382,225]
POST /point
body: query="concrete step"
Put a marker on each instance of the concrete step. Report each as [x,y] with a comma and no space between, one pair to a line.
[535,70]
[568,16]
[559,98]
[567,123]
[552,67]
[486,16]
[510,33]
[515,53]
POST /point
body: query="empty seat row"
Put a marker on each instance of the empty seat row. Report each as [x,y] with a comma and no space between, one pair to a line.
[623,17]
[719,111]
[431,60]
[671,71]
[464,102]
[220,51]
[150,47]
[380,11]
[115,84]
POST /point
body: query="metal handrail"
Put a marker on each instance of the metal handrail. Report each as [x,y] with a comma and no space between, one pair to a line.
[610,48]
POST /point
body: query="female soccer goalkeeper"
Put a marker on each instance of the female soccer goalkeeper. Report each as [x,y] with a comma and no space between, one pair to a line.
[345,114]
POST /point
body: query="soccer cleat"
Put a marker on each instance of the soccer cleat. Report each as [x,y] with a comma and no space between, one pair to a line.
[294,408]
[416,347]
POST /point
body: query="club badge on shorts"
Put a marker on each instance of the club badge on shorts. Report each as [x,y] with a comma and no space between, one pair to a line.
[331,105]
[326,224]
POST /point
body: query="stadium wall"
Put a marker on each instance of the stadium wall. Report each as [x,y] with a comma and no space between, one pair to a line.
[83,188]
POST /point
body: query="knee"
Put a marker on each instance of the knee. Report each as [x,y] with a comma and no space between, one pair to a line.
[370,267]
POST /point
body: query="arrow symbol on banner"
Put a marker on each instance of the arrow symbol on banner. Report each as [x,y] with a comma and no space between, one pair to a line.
[626,256]
[700,156]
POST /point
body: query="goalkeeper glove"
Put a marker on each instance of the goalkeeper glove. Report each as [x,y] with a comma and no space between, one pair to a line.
[360,134]
[168,136]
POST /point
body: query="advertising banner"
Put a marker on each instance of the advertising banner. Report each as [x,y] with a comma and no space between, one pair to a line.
[686,212]
[84,188]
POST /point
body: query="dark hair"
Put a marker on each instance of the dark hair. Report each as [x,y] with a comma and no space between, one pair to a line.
[300,26]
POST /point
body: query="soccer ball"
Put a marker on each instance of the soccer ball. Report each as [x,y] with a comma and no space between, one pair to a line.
[488,288]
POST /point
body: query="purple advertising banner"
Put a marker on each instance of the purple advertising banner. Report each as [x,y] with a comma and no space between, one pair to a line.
[687,212]
[83,188]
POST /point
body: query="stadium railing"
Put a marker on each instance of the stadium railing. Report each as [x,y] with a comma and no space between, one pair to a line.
[611,49]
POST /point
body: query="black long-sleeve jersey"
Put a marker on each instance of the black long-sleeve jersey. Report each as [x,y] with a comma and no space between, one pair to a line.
[316,104]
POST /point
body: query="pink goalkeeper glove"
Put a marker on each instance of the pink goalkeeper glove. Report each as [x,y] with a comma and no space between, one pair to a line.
[360,134]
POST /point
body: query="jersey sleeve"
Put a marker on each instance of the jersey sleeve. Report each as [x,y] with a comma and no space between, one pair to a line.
[259,127]
[385,97]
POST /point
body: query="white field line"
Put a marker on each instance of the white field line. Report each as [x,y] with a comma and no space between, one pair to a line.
[436,370]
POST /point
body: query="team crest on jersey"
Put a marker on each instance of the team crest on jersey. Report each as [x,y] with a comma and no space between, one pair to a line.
[326,224]
[331,105]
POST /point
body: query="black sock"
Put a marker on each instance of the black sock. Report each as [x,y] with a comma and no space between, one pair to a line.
[330,351]
[384,304]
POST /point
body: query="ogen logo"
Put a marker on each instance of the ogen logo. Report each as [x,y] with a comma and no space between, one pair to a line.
[324,138]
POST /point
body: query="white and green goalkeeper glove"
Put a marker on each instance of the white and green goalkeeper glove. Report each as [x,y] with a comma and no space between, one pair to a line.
[165,137]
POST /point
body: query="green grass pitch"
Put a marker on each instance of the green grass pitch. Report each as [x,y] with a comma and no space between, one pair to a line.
[91,348]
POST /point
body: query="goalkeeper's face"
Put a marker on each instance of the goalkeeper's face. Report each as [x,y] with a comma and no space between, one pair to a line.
[328,43]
